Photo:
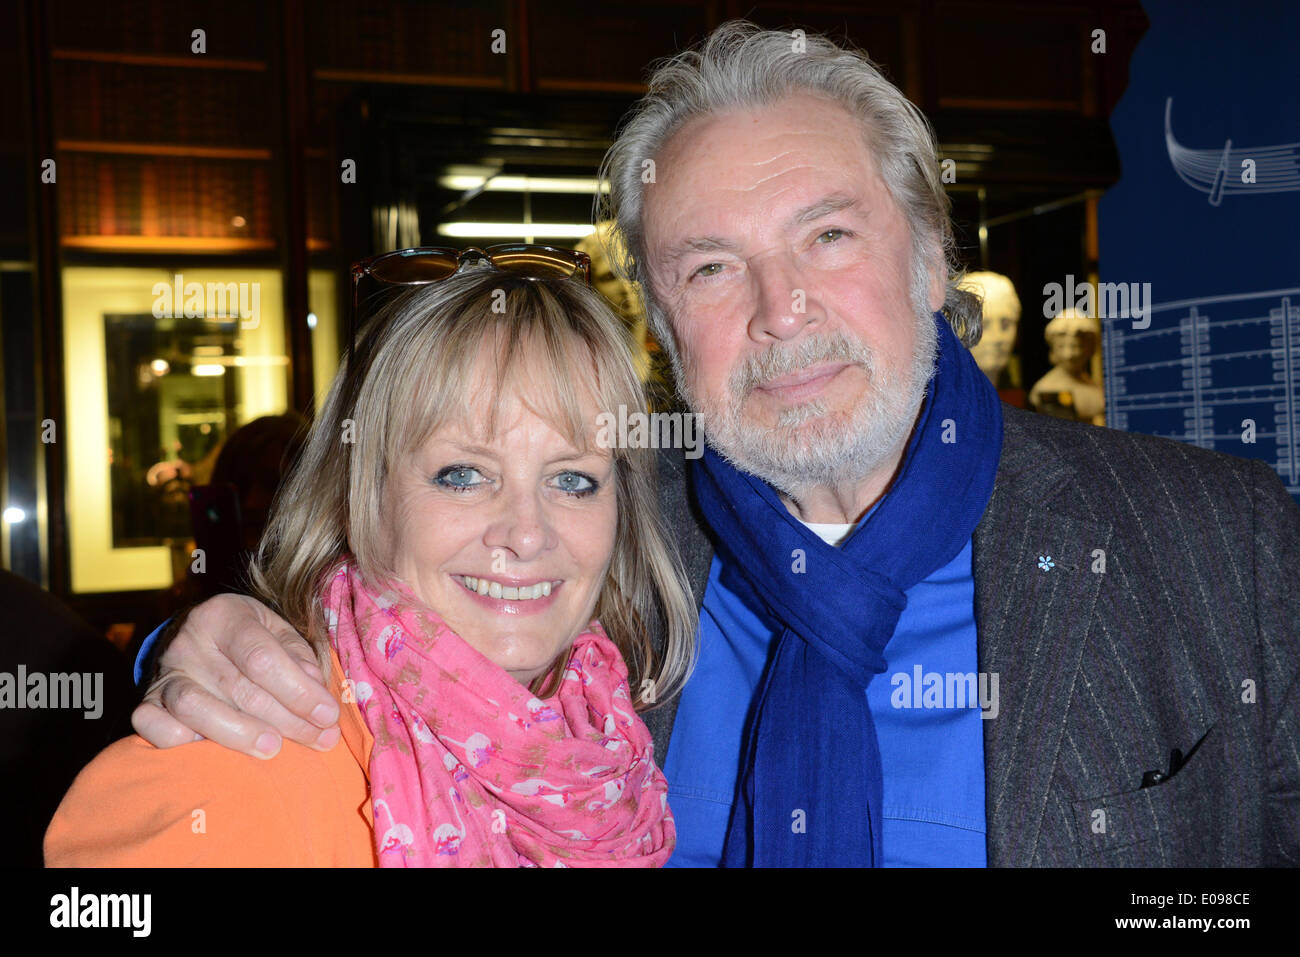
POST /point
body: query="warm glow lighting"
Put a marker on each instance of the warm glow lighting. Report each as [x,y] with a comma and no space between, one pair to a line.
[14,515]
[521,184]
[95,561]
[208,370]
[515,230]
[249,361]
[160,367]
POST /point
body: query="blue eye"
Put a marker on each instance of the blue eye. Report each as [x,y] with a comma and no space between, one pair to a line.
[458,478]
[576,484]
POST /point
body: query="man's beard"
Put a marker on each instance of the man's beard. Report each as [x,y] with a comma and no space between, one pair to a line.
[809,445]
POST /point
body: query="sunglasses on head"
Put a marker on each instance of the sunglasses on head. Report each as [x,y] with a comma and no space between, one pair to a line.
[426,264]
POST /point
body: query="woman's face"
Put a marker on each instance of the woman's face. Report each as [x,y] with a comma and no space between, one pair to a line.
[507,537]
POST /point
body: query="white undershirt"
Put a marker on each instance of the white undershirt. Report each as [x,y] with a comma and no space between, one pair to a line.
[831,533]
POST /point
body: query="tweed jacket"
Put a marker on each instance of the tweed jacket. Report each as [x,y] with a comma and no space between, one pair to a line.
[1135,595]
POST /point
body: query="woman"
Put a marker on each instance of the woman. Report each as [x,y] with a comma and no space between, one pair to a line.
[473,570]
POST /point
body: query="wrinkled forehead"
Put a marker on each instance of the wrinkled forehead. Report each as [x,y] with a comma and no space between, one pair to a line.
[722,168]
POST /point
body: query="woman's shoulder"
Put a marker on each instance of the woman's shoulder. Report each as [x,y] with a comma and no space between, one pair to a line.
[203,804]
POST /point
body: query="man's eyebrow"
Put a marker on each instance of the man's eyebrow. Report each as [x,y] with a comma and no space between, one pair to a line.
[698,244]
[834,203]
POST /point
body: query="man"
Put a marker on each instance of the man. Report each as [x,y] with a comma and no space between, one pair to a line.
[1077,646]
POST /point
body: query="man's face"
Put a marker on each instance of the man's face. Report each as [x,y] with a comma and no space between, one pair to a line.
[785,269]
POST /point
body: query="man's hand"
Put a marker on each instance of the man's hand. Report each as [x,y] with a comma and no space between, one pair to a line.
[239,675]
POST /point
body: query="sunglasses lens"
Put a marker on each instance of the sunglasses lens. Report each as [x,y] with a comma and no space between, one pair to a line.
[536,260]
[413,269]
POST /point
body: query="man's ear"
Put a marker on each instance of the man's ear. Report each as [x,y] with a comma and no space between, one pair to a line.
[938,288]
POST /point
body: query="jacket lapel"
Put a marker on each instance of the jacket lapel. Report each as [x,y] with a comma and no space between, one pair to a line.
[1032,619]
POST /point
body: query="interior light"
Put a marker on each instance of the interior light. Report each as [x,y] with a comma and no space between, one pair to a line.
[516,230]
[584,185]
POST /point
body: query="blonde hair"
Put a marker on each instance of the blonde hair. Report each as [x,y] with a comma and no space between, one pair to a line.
[414,367]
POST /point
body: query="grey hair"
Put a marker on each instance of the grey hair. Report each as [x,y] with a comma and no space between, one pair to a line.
[740,65]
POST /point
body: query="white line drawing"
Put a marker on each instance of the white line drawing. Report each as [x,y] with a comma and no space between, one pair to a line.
[1218,171]
[1236,355]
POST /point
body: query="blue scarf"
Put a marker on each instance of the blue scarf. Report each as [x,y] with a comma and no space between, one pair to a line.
[810,789]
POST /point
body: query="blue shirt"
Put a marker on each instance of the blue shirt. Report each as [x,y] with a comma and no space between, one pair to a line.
[140,671]
[932,757]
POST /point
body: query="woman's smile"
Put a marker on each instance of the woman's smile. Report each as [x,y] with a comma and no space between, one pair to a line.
[511,596]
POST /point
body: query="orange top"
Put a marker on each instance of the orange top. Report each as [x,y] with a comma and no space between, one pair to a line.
[203,805]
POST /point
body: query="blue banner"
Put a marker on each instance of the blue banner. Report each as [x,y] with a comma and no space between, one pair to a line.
[1207,212]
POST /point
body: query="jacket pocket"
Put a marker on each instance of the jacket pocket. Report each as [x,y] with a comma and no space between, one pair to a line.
[1165,825]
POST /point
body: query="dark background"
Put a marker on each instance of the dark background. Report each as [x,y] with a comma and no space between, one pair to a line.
[288,89]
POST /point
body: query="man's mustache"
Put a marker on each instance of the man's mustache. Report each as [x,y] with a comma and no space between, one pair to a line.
[782,360]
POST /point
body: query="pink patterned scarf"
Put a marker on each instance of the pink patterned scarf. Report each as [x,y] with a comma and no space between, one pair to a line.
[469,769]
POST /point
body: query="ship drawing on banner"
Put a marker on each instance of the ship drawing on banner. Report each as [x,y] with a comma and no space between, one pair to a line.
[1220,372]
[1223,171]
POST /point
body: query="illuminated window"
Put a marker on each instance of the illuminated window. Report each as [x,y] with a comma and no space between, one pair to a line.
[160,368]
